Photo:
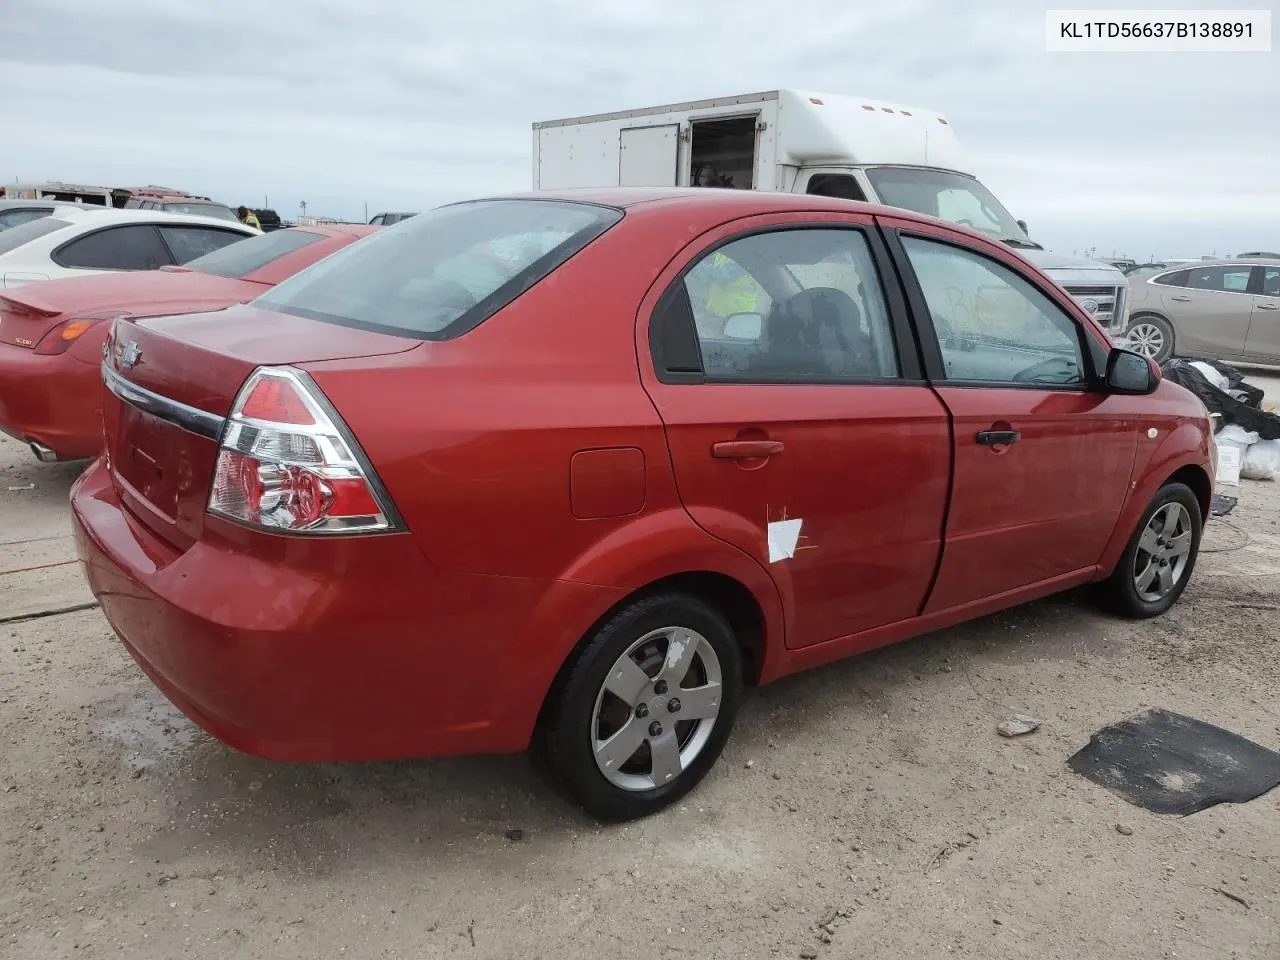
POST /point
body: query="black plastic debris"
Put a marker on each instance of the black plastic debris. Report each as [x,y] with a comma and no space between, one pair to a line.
[1171,764]
[1222,505]
[1245,411]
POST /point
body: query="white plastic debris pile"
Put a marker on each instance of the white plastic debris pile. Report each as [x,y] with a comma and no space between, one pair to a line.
[1241,454]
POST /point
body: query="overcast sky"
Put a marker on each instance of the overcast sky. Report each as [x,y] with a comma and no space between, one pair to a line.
[402,104]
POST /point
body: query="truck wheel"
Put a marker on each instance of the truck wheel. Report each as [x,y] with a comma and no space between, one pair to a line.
[1151,336]
[645,708]
[1160,557]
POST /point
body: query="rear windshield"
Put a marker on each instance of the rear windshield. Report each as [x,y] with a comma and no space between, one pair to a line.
[202,210]
[26,232]
[441,273]
[239,259]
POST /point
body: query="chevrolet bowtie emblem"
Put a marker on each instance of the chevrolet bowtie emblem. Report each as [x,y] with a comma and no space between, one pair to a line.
[130,355]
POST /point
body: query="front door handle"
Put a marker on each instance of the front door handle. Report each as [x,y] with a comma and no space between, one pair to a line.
[1181,299]
[746,449]
[995,438]
[1268,306]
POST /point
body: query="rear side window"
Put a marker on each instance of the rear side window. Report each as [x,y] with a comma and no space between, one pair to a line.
[133,247]
[253,253]
[187,243]
[15,218]
[442,273]
[1177,279]
[26,232]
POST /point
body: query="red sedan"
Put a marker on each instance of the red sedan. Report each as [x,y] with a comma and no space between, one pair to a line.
[571,471]
[51,333]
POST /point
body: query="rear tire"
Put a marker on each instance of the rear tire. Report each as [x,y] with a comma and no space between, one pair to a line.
[1151,336]
[644,709]
[1160,558]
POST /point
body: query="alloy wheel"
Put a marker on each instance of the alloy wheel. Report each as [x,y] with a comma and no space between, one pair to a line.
[1164,550]
[657,708]
[1146,338]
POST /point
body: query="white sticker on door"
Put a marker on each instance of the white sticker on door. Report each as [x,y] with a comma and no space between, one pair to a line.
[783,537]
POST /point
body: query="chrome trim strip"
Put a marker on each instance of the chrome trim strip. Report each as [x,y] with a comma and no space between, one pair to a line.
[200,422]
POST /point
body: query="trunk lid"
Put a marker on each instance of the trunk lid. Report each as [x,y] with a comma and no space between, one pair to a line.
[29,313]
[172,381]
[25,318]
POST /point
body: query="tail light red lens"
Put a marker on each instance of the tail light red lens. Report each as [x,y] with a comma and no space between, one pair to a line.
[61,337]
[288,463]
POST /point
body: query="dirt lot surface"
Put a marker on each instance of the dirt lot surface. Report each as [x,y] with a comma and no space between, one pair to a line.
[868,809]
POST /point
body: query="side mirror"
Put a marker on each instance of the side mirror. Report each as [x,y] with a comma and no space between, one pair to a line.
[743,326]
[1131,373]
[1023,225]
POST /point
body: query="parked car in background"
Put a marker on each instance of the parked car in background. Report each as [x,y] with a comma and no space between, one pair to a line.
[200,206]
[417,500]
[16,212]
[386,219]
[1226,309]
[1142,269]
[74,242]
[51,334]
[1258,254]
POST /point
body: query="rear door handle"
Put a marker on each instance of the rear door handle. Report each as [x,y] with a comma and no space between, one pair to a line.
[1181,299]
[746,449]
[994,438]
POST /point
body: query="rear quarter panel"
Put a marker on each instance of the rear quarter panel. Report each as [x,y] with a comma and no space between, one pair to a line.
[473,437]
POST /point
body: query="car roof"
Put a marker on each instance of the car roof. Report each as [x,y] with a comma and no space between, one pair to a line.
[712,200]
[102,215]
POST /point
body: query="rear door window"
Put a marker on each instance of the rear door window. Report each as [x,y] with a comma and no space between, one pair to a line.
[792,306]
[443,272]
[187,243]
[132,247]
[1221,279]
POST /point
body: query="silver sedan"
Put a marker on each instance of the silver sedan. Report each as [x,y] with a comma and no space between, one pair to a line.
[1226,309]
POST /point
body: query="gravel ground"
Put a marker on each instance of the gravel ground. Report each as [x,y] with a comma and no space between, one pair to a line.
[868,809]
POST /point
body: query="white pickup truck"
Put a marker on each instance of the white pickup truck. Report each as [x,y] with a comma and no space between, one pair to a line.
[801,142]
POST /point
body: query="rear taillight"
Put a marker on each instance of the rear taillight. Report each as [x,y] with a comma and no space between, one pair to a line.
[288,463]
[61,337]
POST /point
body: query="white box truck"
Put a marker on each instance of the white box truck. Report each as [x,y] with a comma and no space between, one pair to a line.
[801,142]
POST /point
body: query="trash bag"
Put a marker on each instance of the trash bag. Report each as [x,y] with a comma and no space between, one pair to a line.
[1261,461]
[1246,413]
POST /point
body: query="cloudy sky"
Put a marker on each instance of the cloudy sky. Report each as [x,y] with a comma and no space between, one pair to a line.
[402,104]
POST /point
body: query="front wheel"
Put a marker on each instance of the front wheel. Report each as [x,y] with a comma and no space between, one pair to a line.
[645,708]
[1157,564]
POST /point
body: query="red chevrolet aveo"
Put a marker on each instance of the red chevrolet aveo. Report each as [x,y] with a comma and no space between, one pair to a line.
[51,333]
[570,471]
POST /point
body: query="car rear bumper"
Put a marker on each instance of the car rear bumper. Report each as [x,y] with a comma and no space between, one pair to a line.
[54,400]
[352,649]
